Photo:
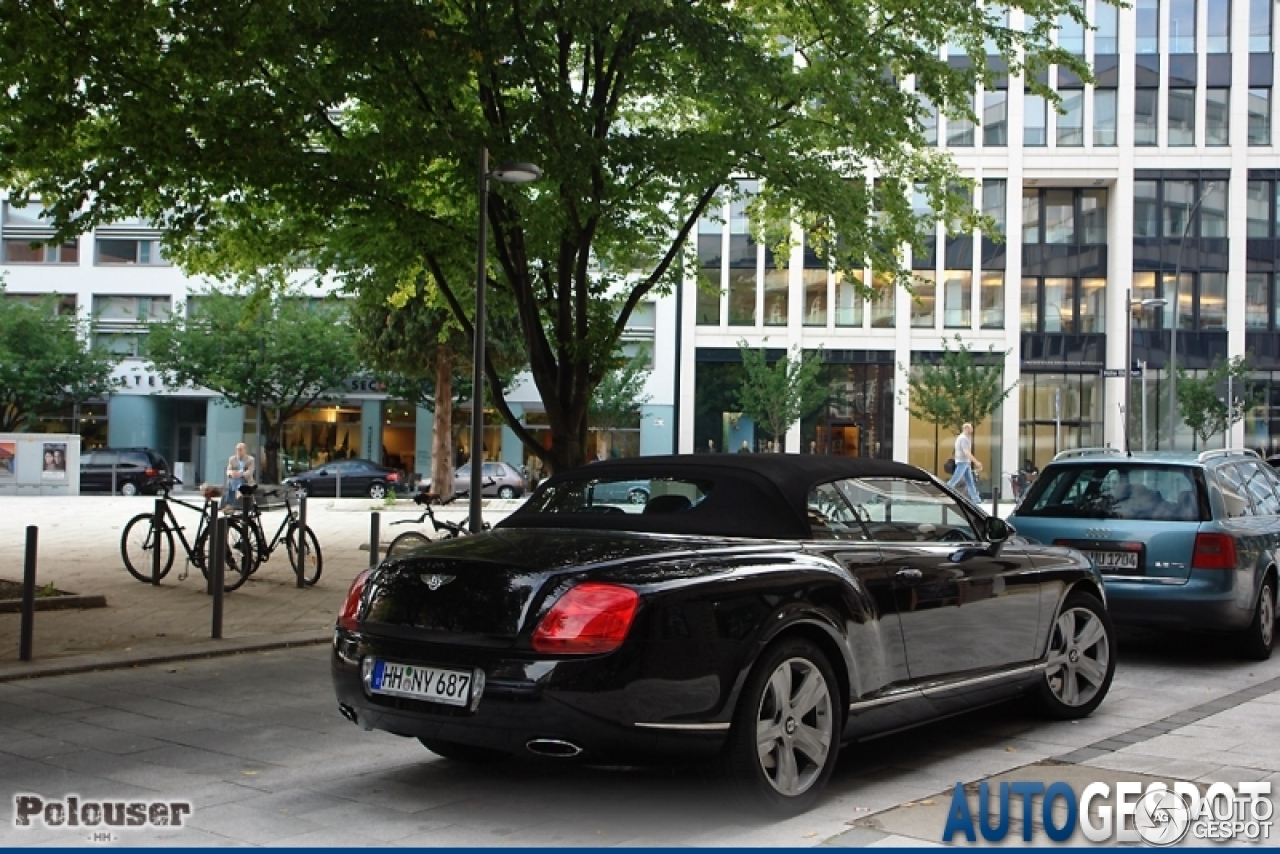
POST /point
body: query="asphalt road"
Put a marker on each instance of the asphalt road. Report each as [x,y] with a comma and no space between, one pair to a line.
[255,745]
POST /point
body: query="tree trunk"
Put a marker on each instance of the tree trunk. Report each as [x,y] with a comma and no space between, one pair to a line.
[442,428]
[271,440]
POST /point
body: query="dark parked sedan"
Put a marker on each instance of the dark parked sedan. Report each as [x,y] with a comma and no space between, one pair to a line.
[761,611]
[128,471]
[348,479]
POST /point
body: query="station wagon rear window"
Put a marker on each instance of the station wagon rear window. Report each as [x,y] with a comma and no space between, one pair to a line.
[1119,490]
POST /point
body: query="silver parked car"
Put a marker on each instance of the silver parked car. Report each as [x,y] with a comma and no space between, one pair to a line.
[498,479]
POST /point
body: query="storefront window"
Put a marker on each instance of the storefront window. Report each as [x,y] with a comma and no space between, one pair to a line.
[924,300]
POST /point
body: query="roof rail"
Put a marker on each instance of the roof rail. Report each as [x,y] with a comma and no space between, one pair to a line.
[1085,452]
[1227,452]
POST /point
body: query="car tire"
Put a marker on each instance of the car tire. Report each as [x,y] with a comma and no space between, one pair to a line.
[638,496]
[1081,659]
[378,490]
[456,752]
[790,777]
[507,492]
[1257,640]
[129,488]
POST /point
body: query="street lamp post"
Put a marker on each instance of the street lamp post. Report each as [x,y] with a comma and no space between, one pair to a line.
[511,173]
[1173,327]
[1131,304]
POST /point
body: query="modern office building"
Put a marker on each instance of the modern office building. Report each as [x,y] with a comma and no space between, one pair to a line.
[1159,178]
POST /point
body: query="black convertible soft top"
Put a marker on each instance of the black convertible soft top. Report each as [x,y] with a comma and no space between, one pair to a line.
[749,495]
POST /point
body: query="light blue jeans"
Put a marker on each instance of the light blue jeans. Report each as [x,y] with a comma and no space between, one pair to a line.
[963,477]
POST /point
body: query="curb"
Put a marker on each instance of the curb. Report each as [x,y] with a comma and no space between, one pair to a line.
[55,603]
[136,658]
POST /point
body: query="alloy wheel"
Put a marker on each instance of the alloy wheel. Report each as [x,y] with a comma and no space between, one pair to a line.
[1267,616]
[1079,655]
[794,726]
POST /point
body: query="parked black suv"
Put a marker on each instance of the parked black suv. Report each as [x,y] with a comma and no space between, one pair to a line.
[127,471]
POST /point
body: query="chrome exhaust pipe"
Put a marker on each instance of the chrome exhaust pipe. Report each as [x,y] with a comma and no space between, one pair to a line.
[553,747]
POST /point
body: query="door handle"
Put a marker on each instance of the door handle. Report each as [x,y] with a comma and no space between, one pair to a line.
[909,576]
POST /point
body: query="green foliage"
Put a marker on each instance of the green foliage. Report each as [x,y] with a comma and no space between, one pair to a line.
[778,395]
[956,390]
[620,394]
[1201,399]
[262,344]
[262,133]
[44,362]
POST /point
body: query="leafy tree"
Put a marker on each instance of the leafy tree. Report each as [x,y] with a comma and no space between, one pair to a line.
[1203,409]
[286,129]
[778,395]
[956,390]
[268,346]
[619,397]
[408,335]
[44,361]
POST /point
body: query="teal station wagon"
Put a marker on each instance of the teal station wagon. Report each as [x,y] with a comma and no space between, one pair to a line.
[1183,541]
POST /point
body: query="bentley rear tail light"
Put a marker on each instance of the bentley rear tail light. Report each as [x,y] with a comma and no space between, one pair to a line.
[592,617]
[1214,551]
[351,605]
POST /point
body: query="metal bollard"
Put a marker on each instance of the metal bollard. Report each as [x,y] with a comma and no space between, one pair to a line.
[156,526]
[218,573]
[208,557]
[995,497]
[302,538]
[375,520]
[28,595]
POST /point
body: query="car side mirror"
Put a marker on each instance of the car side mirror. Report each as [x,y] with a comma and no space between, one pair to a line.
[998,530]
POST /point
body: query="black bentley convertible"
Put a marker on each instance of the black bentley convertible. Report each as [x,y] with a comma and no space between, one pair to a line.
[758,611]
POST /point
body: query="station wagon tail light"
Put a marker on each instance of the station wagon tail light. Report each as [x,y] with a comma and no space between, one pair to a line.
[393,477]
[151,472]
[592,617]
[1214,551]
[351,605]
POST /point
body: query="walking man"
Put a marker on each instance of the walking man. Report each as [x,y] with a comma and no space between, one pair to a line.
[966,465]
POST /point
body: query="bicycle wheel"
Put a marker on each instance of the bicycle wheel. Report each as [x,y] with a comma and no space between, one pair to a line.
[239,555]
[405,543]
[138,544]
[315,561]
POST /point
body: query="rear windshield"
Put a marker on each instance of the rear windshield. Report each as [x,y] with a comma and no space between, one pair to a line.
[648,496]
[1117,490]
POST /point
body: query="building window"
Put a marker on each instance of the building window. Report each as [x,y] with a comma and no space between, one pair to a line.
[995,119]
[742,297]
[1258,209]
[1104,117]
[1092,310]
[849,300]
[1030,319]
[1213,209]
[1145,116]
[1093,216]
[1217,117]
[1148,26]
[708,308]
[1034,122]
[120,251]
[1070,130]
[1179,197]
[1182,117]
[957,305]
[883,302]
[776,302]
[928,120]
[1058,313]
[1063,305]
[994,192]
[1259,116]
[1144,287]
[1182,26]
[1070,35]
[991,300]
[1030,215]
[1059,216]
[924,300]
[1257,301]
[1107,21]
[1260,26]
[1211,301]
[710,260]
[815,297]
[1218,27]
[21,251]
[130,310]
[960,130]
[1146,208]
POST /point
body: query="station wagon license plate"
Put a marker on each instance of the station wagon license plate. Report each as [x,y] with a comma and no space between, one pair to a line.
[1114,562]
[433,684]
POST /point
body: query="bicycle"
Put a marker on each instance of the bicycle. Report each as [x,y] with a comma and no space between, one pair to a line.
[411,540]
[288,534]
[144,534]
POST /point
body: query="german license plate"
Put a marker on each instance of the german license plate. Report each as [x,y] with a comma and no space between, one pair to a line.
[1114,561]
[433,684]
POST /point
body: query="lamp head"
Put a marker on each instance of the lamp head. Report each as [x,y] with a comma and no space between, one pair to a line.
[516,173]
